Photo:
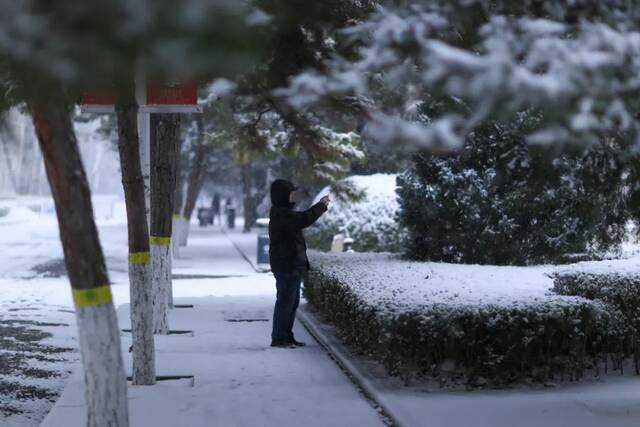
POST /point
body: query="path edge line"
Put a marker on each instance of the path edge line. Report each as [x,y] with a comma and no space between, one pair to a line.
[341,357]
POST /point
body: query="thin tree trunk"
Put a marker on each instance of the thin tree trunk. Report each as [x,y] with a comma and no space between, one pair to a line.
[177,222]
[9,166]
[164,144]
[247,187]
[95,171]
[98,334]
[140,290]
[20,158]
[194,182]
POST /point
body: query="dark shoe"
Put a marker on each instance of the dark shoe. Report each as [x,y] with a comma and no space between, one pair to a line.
[282,344]
[297,343]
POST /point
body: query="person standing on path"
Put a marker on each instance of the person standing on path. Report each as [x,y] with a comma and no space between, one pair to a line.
[288,257]
[215,208]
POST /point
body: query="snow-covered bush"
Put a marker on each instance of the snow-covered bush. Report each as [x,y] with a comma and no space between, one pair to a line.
[502,201]
[481,325]
[370,219]
[621,291]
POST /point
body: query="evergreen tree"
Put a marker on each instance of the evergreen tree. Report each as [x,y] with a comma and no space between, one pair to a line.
[501,201]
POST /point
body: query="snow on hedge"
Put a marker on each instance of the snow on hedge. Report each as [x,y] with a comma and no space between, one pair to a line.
[371,221]
[477,325]
[618,288]
[396,286]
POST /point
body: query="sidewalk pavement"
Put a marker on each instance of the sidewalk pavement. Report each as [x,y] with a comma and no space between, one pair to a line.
[247,245]
[238,380]
[210,252]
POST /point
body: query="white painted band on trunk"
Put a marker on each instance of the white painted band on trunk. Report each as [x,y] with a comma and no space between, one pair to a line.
[184,236]
[161,281]
[144,364]
[105,380]
[175,241]
[170,275]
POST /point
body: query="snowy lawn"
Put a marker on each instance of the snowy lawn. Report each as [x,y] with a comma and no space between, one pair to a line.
[37,350]
[477,325]
[37,319]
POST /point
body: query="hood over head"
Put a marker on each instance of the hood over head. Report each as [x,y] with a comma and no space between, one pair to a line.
[280,190]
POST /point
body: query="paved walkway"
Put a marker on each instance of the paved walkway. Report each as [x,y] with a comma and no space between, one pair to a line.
[247,245]
[238,380]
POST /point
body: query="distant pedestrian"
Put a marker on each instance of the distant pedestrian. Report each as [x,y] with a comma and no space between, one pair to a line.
[215,208]
[230,212]
[288,257]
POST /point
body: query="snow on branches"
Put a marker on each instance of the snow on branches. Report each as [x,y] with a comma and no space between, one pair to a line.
[578,63]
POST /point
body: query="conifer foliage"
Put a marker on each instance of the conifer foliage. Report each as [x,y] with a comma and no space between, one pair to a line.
[503,201]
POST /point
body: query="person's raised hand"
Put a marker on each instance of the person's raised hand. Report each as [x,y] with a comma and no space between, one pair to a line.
[326,200]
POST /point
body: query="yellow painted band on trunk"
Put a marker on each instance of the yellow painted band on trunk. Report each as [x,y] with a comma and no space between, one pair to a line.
[176,216]
[93,296]
[139,258]
[185,219]
[160,241]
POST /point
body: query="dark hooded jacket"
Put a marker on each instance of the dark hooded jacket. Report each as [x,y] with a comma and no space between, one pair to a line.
[287,248]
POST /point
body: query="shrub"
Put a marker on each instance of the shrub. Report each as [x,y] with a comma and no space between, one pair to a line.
[500,201]
[370,220]
[621,291]
[417,322]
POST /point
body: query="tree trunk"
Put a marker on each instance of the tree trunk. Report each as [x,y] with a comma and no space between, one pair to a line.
[9,165]
[98,333]
[164,153]
[177,222]
[248,202]
[140,290]
[194,182]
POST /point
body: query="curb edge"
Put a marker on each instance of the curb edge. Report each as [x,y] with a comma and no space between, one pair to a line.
[343,359]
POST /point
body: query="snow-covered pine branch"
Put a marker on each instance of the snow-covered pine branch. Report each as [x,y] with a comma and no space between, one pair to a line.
[578,63]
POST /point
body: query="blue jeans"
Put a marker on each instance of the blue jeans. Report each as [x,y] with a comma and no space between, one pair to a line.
[287,301]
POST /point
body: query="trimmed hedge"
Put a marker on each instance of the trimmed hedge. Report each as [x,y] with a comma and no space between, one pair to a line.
[620,291]
[555,338]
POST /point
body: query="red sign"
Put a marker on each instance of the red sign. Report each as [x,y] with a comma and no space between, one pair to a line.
[178,98]
[97,97]
[173,94]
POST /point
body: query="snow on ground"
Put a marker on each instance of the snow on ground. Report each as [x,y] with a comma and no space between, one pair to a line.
[38,348]
[239,380]
[37,351]
[195,258]
[247,244]
[611,401]
[615,403]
